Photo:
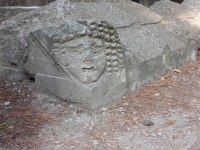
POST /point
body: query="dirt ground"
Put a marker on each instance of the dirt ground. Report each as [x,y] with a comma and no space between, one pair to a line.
[162,115]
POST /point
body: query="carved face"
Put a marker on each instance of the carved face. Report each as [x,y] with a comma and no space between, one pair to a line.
[85,58]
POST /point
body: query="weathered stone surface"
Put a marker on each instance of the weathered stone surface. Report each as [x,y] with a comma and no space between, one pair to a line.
[178,19]
[7,12]
[11,74]
[193,4]
[96,56]
[24,2]
[181,21]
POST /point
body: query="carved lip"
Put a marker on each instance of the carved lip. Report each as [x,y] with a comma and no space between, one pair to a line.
[89,71]
[88,68]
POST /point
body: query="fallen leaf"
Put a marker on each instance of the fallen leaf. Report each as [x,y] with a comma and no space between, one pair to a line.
[170,122]
[164,77]
[177,70]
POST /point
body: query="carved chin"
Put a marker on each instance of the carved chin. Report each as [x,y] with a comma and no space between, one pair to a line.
[90,79]
[88,76]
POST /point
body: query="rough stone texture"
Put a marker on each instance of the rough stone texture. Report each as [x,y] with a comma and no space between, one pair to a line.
[178,19]
[193,4]
[136,49]
[11,2]
[181,21]
[24,2]
[7,12]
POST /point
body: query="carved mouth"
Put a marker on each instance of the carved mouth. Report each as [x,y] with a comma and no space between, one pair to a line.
[85,69]
[89,71]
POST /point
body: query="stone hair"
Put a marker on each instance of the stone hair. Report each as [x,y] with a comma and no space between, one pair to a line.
[101,30]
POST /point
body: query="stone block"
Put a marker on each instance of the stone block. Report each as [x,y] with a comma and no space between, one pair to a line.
[79,61]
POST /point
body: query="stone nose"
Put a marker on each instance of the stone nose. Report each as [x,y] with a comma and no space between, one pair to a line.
[87,60]
[88,57]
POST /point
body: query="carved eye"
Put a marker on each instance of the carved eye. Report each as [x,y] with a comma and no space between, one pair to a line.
[96,47]
[96,50]
[80,49]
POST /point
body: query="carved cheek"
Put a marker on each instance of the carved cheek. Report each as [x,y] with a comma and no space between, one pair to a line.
[100,60]
[73,59]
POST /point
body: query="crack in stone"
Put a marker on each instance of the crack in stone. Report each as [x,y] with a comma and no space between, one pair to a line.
[128,25]
[140,24]
[153,22]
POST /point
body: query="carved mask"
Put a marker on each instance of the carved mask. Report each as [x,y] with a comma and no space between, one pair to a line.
[84,58]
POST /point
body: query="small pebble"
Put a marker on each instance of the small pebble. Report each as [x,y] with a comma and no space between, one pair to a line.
[120,109]
[103,109]
[70,119]
[159,133]
[95,142]
[66,135]
[7,103]
[147,123]
[125,104]
[59,105]
[119,138]
[154,135]
[157,94]
[11,127]
[135,112]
